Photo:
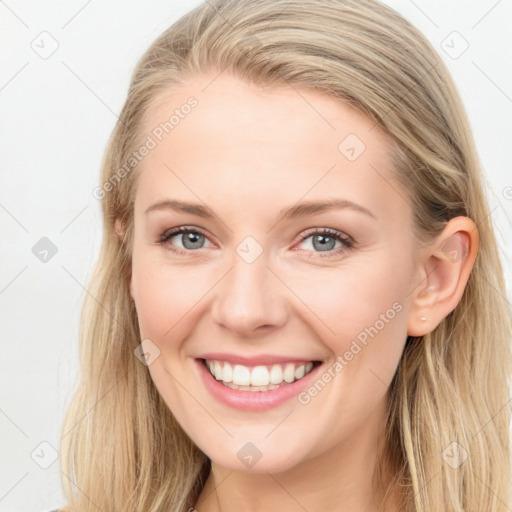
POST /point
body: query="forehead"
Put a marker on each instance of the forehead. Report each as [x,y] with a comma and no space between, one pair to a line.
[247,142]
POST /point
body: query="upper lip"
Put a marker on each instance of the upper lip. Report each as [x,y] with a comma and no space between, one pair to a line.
[262,359]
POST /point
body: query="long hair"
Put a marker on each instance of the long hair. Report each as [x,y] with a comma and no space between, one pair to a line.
[121,448]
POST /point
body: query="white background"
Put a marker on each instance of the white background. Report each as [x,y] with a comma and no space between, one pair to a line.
[57,114]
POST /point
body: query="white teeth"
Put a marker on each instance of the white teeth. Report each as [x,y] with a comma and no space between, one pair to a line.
[250,388]
[289,372]
[227,373]
[241,375]
[276,374]
[217,370]
[299,372]
[261,377]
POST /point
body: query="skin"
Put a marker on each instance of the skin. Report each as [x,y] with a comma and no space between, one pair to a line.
[247,152]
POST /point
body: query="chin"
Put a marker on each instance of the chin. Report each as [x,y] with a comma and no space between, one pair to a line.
[248,459]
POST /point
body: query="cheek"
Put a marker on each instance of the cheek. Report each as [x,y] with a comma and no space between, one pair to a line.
[363,324]
[164,295]
[361,314]
[349,298]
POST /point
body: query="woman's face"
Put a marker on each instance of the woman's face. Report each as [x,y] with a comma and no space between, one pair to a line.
[254,282]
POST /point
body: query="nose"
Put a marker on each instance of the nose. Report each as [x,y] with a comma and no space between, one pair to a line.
[250,300]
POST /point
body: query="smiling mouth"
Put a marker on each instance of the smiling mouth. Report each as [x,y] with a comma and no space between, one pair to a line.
[258,378]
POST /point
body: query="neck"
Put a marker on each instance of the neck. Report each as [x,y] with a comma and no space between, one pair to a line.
[340,479]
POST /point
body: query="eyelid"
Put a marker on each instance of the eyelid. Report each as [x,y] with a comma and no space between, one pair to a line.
[328,231]
[169,233]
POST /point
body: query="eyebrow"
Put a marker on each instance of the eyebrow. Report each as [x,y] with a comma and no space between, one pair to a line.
[292,212]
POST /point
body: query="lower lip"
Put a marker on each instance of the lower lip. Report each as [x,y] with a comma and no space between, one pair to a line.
[254,400]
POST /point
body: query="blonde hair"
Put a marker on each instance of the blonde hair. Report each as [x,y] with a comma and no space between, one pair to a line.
[122,449]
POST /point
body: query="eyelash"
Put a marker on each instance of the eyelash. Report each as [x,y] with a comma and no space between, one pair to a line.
[347,241]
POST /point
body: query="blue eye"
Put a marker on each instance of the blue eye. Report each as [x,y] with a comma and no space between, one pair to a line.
[191,238]
[323,240]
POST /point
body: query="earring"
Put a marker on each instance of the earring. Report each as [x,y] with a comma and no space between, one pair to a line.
[423,318]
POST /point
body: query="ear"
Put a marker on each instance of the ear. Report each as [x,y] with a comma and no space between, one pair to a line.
[444,268]
[119,229]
